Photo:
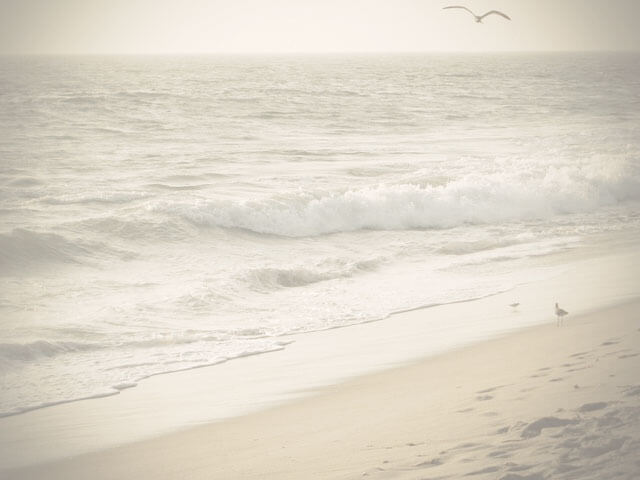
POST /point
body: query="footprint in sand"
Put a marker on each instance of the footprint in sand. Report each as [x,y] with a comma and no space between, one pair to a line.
[629,355]
[616,352]
[434,462]
[514,467]
[483,471]
[596,446]
[515,476]
[577,369]
[535,428]
[467,446]
[499,454]
[579,354]
[492,389]
[414,444]
[592,407]
[375,470]
[483,398]
[610,419]
[631,391]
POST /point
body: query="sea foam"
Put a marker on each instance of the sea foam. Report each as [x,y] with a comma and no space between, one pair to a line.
[473,199]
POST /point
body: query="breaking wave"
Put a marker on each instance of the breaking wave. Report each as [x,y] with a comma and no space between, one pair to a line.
[472,200]
[274,278]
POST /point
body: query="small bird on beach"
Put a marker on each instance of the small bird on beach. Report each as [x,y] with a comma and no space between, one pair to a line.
[479,17]
[560,313]
[514,305]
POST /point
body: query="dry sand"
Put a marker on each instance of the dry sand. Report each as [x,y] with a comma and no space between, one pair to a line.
[541,403]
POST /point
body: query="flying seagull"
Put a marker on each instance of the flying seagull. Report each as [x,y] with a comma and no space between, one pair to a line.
[479,18]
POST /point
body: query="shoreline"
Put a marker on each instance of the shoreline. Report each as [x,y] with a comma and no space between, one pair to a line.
[171,404]
[167,404]
[503,397]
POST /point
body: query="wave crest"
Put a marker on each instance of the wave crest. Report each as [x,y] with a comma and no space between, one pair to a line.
[473,199]
[262,279]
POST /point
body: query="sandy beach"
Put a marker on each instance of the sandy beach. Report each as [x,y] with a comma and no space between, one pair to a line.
[310,240]
[544,402]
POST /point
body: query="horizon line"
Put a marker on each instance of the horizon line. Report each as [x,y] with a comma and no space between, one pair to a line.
[310,53]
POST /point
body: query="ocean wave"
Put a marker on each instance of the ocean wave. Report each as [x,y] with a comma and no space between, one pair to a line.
[96,197]
[255,346]
[26,352]
[518,251]
[18,353]
[460,246]
[189,180]
[38,406]
[25,182]
[23,250]
[269,278]
[473,199]
[137,229]
[162,186]
[262,279]
[465,247]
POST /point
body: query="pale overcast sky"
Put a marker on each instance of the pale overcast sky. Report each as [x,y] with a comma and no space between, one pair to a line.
[284,26]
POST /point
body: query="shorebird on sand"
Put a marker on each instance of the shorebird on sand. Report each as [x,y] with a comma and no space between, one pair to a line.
[480,17]
[514,305]
[560,313]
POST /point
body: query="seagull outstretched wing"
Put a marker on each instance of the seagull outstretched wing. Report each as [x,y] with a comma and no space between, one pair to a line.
[459,6]
[497,13]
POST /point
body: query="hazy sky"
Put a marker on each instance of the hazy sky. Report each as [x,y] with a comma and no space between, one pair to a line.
[212,26]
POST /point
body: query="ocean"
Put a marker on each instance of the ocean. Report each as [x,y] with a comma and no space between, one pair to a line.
[159,214]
